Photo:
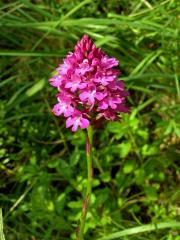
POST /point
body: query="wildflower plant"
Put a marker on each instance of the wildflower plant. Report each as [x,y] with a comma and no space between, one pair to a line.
[88,91]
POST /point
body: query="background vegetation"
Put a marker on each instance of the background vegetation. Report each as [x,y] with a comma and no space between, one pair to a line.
[43,167]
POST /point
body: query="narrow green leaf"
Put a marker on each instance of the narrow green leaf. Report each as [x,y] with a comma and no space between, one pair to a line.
[141,229]
[177,85]
[35,88]
[1,226]
[17,53]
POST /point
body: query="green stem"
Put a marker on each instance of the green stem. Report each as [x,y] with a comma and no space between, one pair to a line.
[89,139]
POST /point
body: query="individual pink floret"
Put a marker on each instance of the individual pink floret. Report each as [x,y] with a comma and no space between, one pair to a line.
[64,105]
[56,80]
[91,95]
[77,120]
[75,83]
[107,62]
[110,102]
[62,108]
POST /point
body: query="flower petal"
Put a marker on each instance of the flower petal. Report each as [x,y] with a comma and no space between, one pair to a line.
[84,95]
[57,109]
[69,122]
[55,81]
[75,126]
[84,123]
[103,105]
[68,85]
[99,96]
[68,111]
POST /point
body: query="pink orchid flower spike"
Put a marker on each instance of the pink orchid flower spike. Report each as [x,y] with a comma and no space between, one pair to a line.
[88,85]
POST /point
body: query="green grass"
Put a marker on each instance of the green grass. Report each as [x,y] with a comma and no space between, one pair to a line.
[144,228]
[1,226]
[43,167]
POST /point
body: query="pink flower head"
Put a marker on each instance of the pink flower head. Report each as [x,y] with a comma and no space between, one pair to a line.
[88,85]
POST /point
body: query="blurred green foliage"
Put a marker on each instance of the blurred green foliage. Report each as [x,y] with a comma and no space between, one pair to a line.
[42,164]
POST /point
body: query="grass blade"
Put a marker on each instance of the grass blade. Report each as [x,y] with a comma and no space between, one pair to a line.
[142,229]
[32,54]
[1,226]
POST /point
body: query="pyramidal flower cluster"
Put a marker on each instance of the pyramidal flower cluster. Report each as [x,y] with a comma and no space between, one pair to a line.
[88,88]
